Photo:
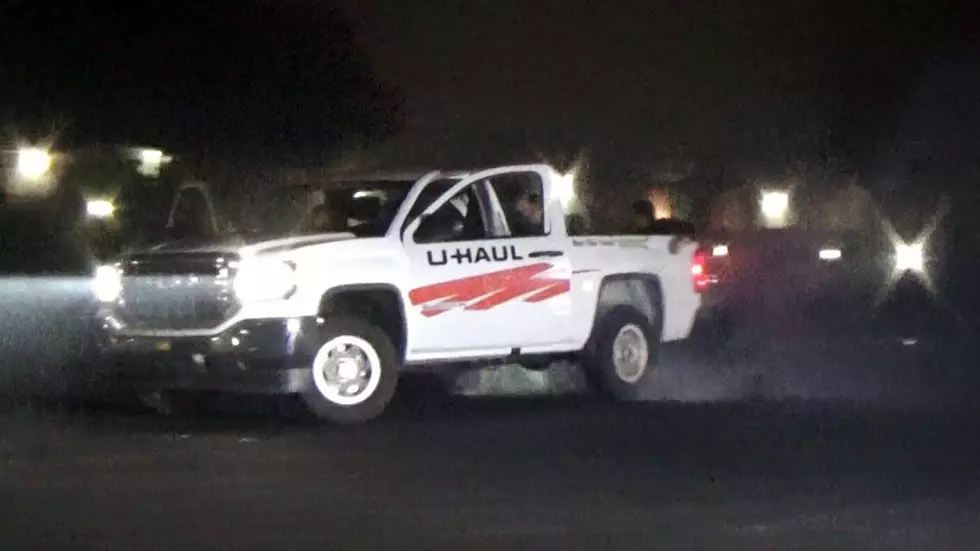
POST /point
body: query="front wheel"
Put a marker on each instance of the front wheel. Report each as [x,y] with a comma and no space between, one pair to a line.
[622,354]
[354,372]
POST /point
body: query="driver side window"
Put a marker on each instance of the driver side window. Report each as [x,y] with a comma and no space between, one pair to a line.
[459,219]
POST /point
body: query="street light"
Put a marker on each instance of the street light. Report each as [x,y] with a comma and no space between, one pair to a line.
[829,253]
[33,163]
[151,161]
[775,207]
[99,208]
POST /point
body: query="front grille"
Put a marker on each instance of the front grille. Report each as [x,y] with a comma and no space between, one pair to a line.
[177,291]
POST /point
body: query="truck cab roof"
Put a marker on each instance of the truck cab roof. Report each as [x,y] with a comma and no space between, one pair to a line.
[408,177]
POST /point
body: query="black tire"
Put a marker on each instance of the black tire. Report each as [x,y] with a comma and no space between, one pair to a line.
[599,364]
[373,404]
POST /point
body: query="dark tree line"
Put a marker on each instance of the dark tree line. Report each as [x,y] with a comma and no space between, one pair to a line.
[231,77]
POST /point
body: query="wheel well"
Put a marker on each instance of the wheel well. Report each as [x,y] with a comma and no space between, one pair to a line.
[380,304]
[642,291]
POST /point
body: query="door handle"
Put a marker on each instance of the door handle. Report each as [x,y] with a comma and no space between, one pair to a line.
[545,254]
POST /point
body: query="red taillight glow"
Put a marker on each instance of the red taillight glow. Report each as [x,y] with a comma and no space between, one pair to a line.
[699,272]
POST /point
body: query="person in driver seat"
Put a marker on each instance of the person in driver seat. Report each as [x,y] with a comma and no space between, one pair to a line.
[530,219]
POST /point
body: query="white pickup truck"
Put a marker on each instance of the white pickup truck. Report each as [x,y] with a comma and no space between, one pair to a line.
[339,288]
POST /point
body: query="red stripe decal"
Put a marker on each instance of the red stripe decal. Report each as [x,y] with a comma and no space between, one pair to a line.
[487,291]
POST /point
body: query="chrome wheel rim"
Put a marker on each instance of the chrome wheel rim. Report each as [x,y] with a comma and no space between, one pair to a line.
[347,370]
[631,354]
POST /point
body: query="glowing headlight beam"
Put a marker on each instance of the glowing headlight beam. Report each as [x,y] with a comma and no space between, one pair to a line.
[260,280]
[107,283]
[909,257]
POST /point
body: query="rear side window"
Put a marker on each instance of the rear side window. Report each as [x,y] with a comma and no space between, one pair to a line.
[521,197]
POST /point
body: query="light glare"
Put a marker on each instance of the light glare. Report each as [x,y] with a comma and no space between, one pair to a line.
[259,280]
[775,207]
[33,163]
[909,257]
[830,254]
[107,283]
[151,161]
[565,188]
[99,208]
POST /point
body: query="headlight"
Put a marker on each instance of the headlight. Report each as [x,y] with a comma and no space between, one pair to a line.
[259,280]
[909,257]
[107,284]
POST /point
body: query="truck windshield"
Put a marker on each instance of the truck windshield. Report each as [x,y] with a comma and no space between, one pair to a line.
[364,208]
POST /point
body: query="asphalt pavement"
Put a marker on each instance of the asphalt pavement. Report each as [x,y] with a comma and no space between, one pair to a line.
[836,436]
[497,474]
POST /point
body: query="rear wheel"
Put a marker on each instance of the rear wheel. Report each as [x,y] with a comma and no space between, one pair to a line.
[354,372]
[622,354]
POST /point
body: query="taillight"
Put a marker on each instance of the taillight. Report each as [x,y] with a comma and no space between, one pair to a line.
[699,271]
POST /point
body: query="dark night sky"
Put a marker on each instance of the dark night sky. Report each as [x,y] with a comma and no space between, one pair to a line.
[737,79]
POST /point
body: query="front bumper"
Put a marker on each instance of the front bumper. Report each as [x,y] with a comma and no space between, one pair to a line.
[253,357]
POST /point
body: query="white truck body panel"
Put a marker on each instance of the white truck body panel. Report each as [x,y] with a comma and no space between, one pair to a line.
[536,294]
[595,257]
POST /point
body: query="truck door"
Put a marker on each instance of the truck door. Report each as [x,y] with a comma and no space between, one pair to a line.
[479,288]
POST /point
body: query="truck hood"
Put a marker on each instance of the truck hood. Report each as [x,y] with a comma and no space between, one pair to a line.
[246,245]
